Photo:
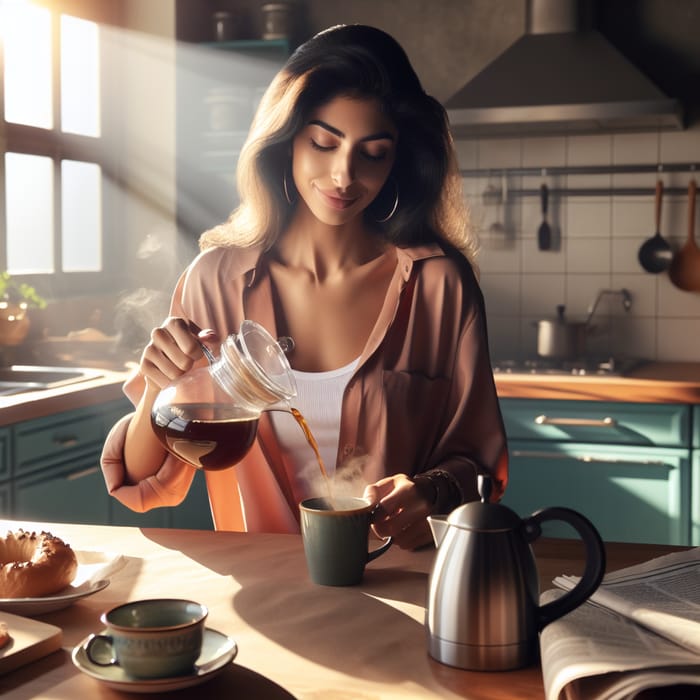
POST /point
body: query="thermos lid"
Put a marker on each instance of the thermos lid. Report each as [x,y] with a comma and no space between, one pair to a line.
[482,515]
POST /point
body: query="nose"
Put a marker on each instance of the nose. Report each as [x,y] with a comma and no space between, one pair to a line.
[343,172]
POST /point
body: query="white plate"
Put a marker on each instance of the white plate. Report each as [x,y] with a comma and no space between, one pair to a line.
[50,603]
[217,651]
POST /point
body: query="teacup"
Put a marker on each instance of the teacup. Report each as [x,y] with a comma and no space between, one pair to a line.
[150,638]
[335,534]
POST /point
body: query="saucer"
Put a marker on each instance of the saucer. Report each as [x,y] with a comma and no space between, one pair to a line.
[217,651]
[51,603]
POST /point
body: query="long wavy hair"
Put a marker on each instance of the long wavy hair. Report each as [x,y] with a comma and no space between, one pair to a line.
[352,61]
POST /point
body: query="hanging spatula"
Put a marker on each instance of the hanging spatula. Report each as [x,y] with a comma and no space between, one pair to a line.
[544,233]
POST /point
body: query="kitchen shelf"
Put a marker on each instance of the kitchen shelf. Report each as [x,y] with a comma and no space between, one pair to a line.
[249,45]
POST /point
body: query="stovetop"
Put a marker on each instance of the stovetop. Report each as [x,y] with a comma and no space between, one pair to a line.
[613,367]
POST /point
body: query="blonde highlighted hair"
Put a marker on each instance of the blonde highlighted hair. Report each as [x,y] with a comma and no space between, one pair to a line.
[363,62]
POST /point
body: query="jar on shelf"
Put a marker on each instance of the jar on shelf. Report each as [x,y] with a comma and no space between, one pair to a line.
[277,18]
[223,28]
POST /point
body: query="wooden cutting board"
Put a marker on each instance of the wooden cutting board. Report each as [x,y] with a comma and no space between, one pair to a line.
[30,640]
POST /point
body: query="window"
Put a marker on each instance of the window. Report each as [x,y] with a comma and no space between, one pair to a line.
[54,187]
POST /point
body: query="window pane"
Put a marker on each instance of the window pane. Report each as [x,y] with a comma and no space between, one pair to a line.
[26,32]
[80,70]
[29,189]
[81,216]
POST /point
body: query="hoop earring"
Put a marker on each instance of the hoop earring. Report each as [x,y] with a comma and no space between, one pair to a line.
[289,199]
[394,207]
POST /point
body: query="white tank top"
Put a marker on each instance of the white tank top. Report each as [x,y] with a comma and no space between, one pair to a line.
[319,398]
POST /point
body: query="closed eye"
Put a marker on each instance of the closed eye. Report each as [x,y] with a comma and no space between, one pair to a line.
[376,158]
[319,147]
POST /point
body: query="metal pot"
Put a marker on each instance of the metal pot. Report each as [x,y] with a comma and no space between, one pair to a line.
[561,339]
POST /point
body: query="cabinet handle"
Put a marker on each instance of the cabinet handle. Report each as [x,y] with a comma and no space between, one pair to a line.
[79,475]
[606,422]
[65,441]
[588,459]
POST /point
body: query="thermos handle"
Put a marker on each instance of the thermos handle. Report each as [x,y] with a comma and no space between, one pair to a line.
[595,561]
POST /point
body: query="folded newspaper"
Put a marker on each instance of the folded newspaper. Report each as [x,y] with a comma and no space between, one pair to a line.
[640,631]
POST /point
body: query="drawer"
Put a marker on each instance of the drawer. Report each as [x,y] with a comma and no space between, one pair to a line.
[5,461]
[113,411]
[695,499]
[631,494]
[55,439]
[75,493]
[5,500]
[664,425]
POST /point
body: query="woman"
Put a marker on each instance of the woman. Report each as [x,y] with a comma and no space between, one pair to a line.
[351,238]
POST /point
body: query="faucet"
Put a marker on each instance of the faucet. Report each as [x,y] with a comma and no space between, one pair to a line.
[624,293]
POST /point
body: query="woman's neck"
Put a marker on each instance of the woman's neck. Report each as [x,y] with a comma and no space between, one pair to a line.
[327,251]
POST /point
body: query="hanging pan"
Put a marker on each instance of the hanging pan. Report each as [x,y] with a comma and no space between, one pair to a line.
[685,266]
[655,254]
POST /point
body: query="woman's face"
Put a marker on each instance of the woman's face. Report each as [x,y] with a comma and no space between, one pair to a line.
[342,158]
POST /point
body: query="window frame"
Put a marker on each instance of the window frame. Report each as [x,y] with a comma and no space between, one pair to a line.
[59,146]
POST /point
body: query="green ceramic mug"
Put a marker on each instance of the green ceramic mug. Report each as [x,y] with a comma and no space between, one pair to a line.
[335,535]
[150,638]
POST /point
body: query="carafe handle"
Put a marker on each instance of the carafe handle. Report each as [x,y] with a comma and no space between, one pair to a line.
[595,561]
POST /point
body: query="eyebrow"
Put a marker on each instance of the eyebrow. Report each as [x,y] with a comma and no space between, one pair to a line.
[372,137]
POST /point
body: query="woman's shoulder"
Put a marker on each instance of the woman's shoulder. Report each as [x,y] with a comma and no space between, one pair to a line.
[439,261]
[228,262]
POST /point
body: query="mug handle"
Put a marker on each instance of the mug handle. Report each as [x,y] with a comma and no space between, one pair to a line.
[100,651]
[379,550]
[595,561]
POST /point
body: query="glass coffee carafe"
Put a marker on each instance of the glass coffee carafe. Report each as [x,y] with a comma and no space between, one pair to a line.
[208,417]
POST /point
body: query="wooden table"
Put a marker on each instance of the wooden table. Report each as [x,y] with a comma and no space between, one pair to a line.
[295,639]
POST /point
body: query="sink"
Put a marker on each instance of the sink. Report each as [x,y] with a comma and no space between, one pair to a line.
[18,379]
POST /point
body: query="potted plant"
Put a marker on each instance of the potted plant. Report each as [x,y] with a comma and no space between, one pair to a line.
[15,300]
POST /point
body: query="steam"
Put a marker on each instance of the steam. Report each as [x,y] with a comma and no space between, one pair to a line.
[348,480]
[136,315]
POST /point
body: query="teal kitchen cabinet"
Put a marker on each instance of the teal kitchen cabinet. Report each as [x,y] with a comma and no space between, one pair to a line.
[5,472]
[625,466]
[218,88]
[72,492]
[50,470]
[56,465]
[695,491]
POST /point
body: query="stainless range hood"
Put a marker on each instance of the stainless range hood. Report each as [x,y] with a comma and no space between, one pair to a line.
[561,76]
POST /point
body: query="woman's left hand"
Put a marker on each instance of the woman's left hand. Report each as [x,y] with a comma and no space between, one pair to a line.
[402,511]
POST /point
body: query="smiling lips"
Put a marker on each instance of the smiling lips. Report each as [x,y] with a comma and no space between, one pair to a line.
[337,202]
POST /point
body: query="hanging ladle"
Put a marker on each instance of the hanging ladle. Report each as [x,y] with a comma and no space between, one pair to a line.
[685,266]
[655,254]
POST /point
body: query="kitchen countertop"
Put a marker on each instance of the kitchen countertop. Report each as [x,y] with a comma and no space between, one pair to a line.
[90,392]
[297,641]
[653,382]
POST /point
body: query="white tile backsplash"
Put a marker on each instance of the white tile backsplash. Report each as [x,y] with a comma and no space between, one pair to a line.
[587,255]
[589,150]
[596,242]
[678,339]
[544,152]
[629,149]
[586,219]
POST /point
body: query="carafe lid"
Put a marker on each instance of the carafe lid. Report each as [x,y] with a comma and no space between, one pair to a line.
[265,352]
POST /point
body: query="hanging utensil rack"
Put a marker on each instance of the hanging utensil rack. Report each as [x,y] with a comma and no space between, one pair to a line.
[553,172]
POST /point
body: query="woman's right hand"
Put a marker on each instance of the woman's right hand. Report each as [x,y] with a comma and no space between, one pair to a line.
[174,348]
